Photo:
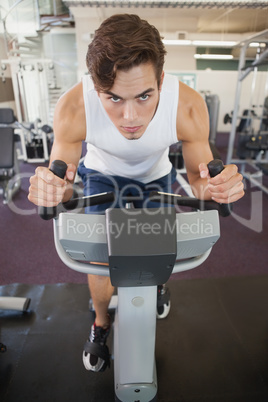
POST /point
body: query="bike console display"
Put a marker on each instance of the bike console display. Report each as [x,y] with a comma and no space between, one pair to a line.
[142,246]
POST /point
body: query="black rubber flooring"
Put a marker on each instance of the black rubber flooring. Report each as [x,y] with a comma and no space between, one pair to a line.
[212,347]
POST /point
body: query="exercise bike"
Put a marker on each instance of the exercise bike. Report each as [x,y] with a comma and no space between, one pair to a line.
[139,249]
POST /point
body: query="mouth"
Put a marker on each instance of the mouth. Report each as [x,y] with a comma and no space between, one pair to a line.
[131,129]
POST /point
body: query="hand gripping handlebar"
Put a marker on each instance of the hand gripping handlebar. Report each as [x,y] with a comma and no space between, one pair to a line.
[59,169]
[215,167]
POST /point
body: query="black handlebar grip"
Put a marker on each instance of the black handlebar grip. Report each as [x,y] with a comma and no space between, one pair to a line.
[59,169]
[215,167]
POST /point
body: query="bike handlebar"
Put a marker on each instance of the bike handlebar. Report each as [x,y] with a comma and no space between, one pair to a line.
[215,167]
[191,202]
[59,169]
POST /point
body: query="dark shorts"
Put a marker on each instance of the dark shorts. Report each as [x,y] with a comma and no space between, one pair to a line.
[123,187]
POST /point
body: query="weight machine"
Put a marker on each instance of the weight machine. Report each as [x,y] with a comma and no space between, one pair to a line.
[252,132]
[35,140]
[25,138]
[9,166]
[29,143]
[32,81]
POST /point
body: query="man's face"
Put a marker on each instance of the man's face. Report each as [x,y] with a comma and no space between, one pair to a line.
[132,101]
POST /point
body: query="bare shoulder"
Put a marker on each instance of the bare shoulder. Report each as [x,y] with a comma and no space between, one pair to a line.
[192,115]
[69,116]
[188,97]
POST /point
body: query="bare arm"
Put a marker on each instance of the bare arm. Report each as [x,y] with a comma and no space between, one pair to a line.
[193,131]
[69,132]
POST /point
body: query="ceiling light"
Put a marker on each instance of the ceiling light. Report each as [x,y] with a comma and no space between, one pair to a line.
[216,43]
[178,42]
[204,43]
[257,44]
[214,56]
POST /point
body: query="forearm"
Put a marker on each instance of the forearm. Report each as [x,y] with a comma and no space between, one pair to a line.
[196,157]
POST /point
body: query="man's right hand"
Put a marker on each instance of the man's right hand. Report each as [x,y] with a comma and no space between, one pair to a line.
[48,190]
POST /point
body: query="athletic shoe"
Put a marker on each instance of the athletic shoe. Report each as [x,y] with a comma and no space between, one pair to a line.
[163,302]
[96,356]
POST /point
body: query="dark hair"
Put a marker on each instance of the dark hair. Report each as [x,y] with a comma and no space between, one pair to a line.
[120,43]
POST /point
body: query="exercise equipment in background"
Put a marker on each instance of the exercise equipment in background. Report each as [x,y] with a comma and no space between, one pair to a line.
[10,181]
[26,142]
[213,105]
[18,304]
[36,142]
[248,140]
[251,144]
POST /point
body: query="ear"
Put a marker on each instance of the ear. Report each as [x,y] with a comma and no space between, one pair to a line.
[161,80]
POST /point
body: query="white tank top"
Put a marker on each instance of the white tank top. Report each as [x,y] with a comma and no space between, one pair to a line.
[145,159]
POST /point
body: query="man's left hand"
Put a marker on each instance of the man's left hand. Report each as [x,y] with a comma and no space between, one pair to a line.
[227,186]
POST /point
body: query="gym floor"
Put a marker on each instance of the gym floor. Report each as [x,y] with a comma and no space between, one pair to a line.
[212,347]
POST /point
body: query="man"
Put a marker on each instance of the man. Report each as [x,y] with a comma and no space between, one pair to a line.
[129,112]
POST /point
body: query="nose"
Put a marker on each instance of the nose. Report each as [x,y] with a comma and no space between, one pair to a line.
[129,111]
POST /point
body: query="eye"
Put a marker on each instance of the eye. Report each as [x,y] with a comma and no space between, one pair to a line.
[115,99]
[144,97]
